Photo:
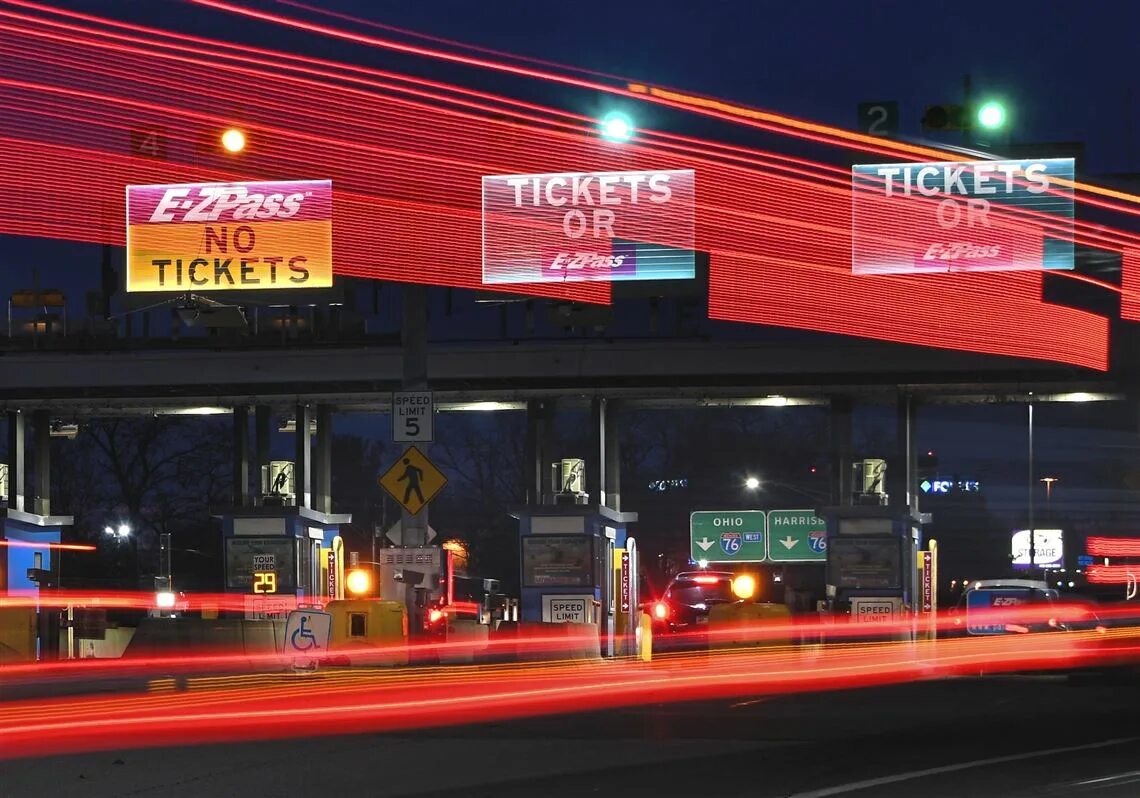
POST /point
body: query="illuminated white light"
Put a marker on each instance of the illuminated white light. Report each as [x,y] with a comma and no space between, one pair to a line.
[164,599]
[1082,396]
[193,411]
[484,407]
[233,140]
[123,531]
[616,126]
[703,563]
[752,483]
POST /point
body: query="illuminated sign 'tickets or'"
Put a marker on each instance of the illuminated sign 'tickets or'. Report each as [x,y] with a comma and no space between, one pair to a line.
[917,218]
[596,226]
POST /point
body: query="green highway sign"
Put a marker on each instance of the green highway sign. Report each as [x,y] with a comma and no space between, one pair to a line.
[796,536]
[722,536]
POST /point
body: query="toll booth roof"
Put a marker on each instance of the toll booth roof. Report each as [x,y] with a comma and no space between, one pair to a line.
[533,510]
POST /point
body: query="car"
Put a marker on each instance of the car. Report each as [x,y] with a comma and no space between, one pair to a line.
[683,609]
[1005,606]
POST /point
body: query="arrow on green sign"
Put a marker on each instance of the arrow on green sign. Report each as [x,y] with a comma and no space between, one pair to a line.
[705,543]
[800,534]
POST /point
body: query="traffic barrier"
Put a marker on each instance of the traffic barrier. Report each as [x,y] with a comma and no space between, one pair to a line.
[465,641]
[375,631]
[159,636]
[585,642]
[114,643]
[737,624]
[17,634]
[539,641]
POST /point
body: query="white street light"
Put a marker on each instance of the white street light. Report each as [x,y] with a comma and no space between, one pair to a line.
[752,483]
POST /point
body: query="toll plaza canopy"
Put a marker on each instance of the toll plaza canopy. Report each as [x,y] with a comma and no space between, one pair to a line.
[93,105]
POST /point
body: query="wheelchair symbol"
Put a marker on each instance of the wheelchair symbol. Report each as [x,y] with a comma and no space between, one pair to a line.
[305,634]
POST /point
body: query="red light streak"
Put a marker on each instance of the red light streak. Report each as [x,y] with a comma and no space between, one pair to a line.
[1113,547]
[778,227]
[266,707]
[1112,574]
[25,544]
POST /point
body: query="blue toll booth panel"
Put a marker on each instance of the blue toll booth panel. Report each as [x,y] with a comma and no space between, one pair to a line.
[26,541]
[565,557]
[275,556]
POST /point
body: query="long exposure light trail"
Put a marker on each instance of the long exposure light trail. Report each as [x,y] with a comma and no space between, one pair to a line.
[406,156]
[359,701]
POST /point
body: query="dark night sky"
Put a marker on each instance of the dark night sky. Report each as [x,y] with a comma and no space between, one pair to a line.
[1067,69]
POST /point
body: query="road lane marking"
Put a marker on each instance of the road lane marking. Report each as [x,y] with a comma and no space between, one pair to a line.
[866,784]
[747,703]
[1108,781]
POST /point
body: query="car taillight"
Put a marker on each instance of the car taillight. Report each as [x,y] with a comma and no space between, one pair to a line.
[706,580]
[660,610]
[1053,622]
[435,616]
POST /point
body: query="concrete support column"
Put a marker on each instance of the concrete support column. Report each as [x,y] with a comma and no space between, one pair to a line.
[612,477]
[413,339]
[302,463]
[241,457]
[261,443]
[596,452]
[15,460]
[840,430]
[902,469]
[539,430]
[322,461]
[41,504]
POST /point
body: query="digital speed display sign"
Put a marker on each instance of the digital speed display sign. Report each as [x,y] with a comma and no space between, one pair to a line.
[962,216]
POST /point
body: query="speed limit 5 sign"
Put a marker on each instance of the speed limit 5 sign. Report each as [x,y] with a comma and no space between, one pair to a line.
[413,414]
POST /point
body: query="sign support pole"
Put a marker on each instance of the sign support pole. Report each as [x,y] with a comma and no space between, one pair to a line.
[413,339]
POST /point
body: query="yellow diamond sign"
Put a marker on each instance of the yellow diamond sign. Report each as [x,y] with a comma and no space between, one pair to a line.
[413,480]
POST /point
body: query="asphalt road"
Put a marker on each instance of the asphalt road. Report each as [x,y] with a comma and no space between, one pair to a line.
[1002,736]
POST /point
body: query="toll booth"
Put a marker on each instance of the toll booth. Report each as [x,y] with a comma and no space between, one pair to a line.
[568,555]
[29,548]
[871,555]
[29,563]
[278,557]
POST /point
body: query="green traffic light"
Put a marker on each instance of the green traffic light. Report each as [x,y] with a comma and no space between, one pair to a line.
[616,126]
[991,115]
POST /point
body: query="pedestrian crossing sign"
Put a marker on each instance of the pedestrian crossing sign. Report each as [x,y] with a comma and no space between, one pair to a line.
[413,480]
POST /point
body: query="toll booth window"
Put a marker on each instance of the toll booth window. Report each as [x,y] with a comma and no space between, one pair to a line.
[357,624]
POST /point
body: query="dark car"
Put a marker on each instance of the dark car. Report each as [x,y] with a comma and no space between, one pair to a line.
[684,606]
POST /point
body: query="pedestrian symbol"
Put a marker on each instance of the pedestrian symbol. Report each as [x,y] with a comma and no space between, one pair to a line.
[413,480]
[412,476]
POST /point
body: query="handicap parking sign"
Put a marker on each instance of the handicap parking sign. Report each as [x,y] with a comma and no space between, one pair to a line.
[307,632]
